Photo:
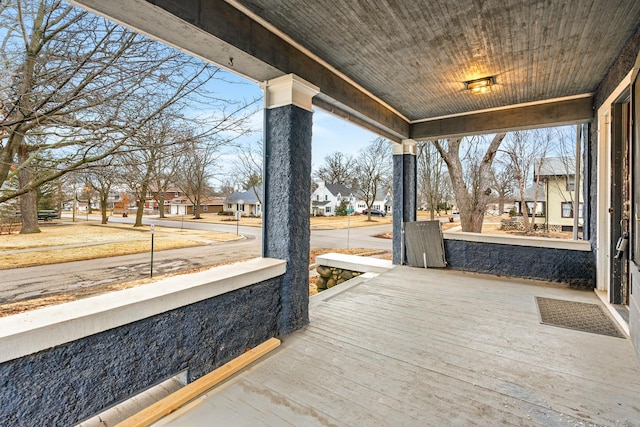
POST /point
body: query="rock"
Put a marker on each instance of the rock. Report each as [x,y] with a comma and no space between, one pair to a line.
[321,284]
[331,283]
[323,271]
[346,275]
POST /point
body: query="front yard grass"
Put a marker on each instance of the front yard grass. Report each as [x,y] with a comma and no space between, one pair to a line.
[76,242]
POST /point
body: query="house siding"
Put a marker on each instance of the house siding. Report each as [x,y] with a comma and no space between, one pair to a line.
[558,194]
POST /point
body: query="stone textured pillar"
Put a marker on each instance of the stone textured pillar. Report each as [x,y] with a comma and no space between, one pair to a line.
[287,191]
[404,192]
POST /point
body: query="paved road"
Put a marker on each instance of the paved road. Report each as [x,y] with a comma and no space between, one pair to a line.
[30,282]
[358,237]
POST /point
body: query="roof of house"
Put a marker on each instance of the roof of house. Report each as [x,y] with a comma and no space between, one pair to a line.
[555,166]
[382,193]
[247,197]
[529,194]
[336,189]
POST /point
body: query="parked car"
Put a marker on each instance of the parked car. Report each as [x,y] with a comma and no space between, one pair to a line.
[47,215]
[375,212]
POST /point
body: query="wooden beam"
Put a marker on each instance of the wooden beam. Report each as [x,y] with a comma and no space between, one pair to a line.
[557,113]
[357,119]
[218,32]
[175,400]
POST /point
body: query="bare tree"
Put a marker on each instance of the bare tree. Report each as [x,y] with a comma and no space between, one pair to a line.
[102,176]
[159,140]
[433,181]
[196,170]
[226,188]
[337,168]
[522,149]
[248,167]
[471,185]
[564,151]
[69,81]
[166,168]
[502,181]
[373,170]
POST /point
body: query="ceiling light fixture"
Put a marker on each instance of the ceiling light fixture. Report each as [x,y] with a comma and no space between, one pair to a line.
[482,85]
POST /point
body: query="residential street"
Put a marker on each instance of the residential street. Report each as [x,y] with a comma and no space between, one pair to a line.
[30,282]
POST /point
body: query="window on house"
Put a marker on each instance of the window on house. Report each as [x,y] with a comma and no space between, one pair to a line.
[176,194]
[317,197]
[326,197]
[567,210]
[241,208]
[327,209]
[229,206]
[571,182]
[205,208]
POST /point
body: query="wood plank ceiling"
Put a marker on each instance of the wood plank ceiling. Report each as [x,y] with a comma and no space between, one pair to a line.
[398,67]
[415,55]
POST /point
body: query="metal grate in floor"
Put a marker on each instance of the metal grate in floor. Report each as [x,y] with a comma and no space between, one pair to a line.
[576,315]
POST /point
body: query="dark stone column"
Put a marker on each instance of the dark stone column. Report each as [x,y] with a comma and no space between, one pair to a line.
[404,192]
[287,192]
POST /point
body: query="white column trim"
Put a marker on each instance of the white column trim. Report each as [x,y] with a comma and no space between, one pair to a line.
[289,89]
[603,234]
[407,146]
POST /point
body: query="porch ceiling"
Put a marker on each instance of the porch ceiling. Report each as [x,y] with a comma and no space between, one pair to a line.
[395,66]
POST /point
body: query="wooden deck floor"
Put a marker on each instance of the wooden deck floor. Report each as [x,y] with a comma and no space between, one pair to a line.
[417,347]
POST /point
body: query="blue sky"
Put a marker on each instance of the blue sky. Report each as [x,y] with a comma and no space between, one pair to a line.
[330,133]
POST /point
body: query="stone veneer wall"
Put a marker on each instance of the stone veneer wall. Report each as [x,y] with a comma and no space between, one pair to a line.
[287,185]
[71,382]
[572,267]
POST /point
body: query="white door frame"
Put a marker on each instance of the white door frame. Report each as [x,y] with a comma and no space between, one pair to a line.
[603,239]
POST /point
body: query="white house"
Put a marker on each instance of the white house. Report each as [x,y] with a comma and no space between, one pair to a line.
[557,174]
[248,203]
[183,206]
[327,197]
[383,201]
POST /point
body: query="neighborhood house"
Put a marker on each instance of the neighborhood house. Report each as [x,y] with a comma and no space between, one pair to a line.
[327,197]
[248,203]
